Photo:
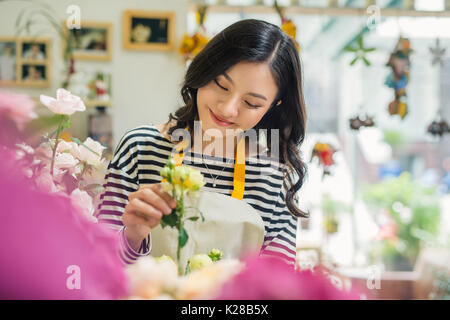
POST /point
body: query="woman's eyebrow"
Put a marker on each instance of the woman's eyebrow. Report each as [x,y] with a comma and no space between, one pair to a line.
[257,95]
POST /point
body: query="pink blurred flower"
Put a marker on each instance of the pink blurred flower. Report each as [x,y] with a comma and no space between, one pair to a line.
[44,182]
[18,107]
[65,102]
[68,147]
[65,161]
[43,237]
[82,202]
[87,155]
[272,279]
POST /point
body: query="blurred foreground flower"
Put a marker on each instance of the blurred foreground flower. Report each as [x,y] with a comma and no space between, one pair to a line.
[157,278]
[48,250]
[18,107]
[72,167]
[272,279]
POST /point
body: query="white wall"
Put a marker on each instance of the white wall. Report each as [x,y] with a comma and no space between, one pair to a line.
[145,84]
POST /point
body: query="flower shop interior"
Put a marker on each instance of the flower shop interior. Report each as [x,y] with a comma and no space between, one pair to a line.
[376,81]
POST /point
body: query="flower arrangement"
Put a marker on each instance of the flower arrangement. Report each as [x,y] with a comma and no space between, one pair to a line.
[68,167]
[191,45]
[287,25]
[254,278]
[408,215]
[180,181]
[324,153]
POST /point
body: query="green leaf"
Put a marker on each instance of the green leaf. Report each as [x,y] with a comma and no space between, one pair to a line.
[370,49]
[354,61]
[192,218]
[170,220]
[350,49]
[182,237]
[367,62]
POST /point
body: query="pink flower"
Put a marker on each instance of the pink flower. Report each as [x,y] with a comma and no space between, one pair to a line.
[270,278]
[49,239]
[88,156]
[45,183]
[65,161]
[82,202]
[68,147]
[65,102]
[18,107]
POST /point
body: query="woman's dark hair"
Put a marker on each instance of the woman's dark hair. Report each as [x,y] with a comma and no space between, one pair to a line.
[259,42]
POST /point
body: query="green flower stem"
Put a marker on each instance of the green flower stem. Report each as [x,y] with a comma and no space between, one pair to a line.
[180,209]
[58,132]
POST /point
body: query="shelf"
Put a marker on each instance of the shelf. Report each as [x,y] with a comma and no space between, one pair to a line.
[337,11]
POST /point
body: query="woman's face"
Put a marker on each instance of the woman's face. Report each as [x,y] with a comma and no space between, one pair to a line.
[238,98]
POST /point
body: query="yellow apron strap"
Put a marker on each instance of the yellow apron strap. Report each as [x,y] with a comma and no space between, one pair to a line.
[178,157]
[239,171]
[239,166]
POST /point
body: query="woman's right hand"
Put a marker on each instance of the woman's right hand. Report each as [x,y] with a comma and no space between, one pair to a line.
[144,211]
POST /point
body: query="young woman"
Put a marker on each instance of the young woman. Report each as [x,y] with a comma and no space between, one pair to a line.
[248,77]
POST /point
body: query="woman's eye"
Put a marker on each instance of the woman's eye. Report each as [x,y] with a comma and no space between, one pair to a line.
[223,88]
[252,106]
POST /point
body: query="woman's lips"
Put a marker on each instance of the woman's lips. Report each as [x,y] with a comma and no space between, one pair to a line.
[219,121]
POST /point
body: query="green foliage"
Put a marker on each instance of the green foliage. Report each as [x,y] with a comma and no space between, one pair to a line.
[419,225]
[394,137]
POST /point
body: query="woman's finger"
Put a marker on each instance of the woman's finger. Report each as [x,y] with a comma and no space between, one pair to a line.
[156,199]
[137,205]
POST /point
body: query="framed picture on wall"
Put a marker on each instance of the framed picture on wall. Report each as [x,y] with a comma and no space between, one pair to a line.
[25,62]
[148,30]
[8,61]
[93,41]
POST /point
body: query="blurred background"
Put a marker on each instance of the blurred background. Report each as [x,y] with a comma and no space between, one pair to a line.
[377,90]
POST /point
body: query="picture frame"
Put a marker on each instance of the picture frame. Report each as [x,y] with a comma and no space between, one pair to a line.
[93,41]
[148,30]
[25,62]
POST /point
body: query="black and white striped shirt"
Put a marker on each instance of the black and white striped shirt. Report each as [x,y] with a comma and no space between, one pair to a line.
[143,152]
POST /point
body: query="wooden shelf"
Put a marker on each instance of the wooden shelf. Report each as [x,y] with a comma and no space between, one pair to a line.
[337,11]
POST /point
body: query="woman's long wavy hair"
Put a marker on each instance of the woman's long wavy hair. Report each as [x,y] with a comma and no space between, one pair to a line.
[259,42]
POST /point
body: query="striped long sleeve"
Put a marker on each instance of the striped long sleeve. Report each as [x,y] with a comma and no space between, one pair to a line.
[121,180]
[280,238]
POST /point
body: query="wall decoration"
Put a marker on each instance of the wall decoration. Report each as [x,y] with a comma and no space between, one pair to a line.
[324,153]
[439,126]
[360,51]
[8,61]
[358,121]
[92,42]
[191,45]
[25,62]
[438,53]
[148,30]
[287,25]
[398,79]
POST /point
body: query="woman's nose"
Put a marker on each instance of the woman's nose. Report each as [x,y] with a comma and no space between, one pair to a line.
[229,108]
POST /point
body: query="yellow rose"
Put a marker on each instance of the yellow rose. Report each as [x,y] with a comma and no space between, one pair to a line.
[195,181]
[199,261]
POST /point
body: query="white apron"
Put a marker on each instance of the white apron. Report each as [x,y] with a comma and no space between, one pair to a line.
[231,225]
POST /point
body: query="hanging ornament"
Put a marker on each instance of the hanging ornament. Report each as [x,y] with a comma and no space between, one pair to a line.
[191,45]
[357,122]
[360,51]
[439,126]
[398,79]
[324,153]
[287,25]
[438,53]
